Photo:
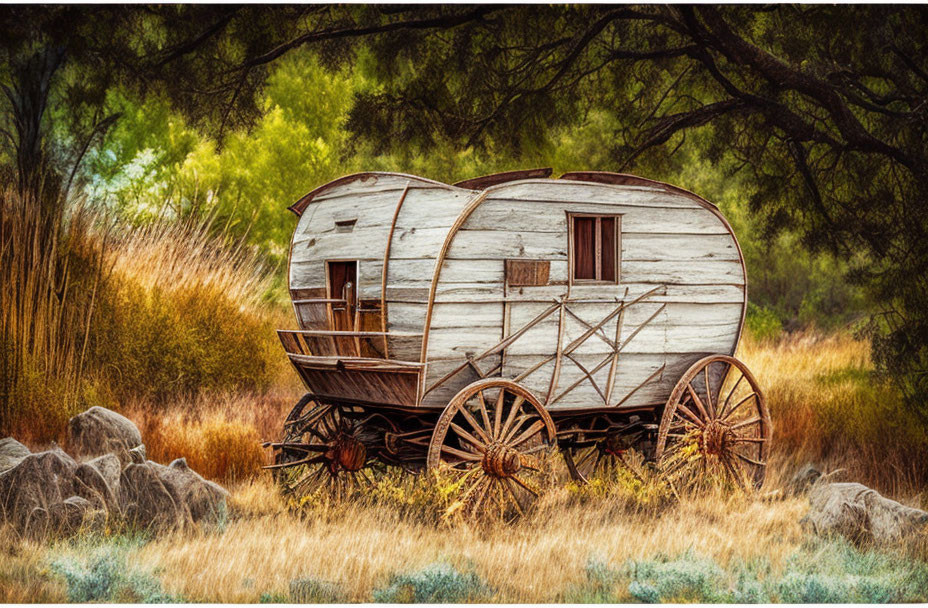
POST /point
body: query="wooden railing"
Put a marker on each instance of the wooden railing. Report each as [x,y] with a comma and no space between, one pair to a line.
[322,343]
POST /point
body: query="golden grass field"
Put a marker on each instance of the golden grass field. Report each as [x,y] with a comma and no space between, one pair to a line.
[175,313]
[609,543]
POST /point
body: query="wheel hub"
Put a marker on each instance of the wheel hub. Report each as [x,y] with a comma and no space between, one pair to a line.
[501,461]
[715,437]
[348,453]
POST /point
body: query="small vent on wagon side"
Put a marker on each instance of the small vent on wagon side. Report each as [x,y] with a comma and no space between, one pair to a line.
[345,225]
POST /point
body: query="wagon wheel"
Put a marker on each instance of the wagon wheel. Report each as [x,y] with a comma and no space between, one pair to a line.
[597,458]
[715,419]
[493,439]
[323,447]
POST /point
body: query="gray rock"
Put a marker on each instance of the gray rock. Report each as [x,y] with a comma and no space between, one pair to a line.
[50,492]
[137,454]
[101,476]
[38,481]
[11,453]
[146,501]
[860,514]
[205,499]
[69,515]
[101,431]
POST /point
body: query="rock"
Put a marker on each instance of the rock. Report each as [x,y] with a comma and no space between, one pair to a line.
[859,513]
[11,453]
[803,479]
[146,501]
[205,500]
[50,492]
[101,431]
[69,515]
[137,454]
[101,475]
[30,488]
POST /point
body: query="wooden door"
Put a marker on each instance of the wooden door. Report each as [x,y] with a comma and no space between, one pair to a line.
[343,285]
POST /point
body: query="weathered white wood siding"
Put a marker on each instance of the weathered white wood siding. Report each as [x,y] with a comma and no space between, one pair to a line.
[427,212]
[669,241]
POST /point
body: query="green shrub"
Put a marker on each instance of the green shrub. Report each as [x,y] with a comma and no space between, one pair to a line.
[600,585]
[835,571]
[106,577]
[311,591]
[437,583]
[763,323]
[684,579]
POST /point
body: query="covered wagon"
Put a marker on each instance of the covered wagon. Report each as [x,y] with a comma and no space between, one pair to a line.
[476,327]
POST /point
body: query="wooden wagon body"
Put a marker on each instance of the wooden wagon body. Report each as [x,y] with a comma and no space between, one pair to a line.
[594,292]
[457,282]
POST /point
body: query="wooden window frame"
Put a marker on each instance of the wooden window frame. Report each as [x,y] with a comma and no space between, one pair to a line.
[617,265]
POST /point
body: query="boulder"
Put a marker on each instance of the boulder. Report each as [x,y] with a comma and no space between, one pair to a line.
[860,514]
[51,492]
[137,454]
[69,515]
[30,488]
[100,431]
[11,453]
[146,501]
[101,476]
[205,500]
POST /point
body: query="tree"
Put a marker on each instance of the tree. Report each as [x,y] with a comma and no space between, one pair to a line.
[824,107]
[59,63]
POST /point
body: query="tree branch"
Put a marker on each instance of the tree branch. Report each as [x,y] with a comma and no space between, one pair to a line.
[445,21]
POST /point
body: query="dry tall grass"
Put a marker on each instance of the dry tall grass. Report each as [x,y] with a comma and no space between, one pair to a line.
[814,384]
[185,312]
[51,263]
[829,407]
[92,316]
[220,435]
[535,560]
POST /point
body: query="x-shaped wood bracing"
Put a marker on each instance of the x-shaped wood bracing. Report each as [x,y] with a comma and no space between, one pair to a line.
[617,348]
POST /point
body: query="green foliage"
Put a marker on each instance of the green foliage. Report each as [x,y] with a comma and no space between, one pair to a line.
[831,571]
[835,571]
[599,587]
[312,591]
[155,165]
[763,323]
[687,578]
[437,583]
[166,342]
[104,575]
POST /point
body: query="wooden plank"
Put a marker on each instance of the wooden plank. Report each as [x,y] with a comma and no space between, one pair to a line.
[548,216]
[428,208]
[557,191]
[408,273]
[488,292]
[497,244]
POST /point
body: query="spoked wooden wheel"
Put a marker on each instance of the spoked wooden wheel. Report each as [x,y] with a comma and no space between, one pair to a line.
[322,449]
[716,420]
[493,439]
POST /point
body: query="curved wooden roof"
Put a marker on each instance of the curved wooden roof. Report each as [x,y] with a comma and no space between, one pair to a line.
[485,181]
[495,179]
